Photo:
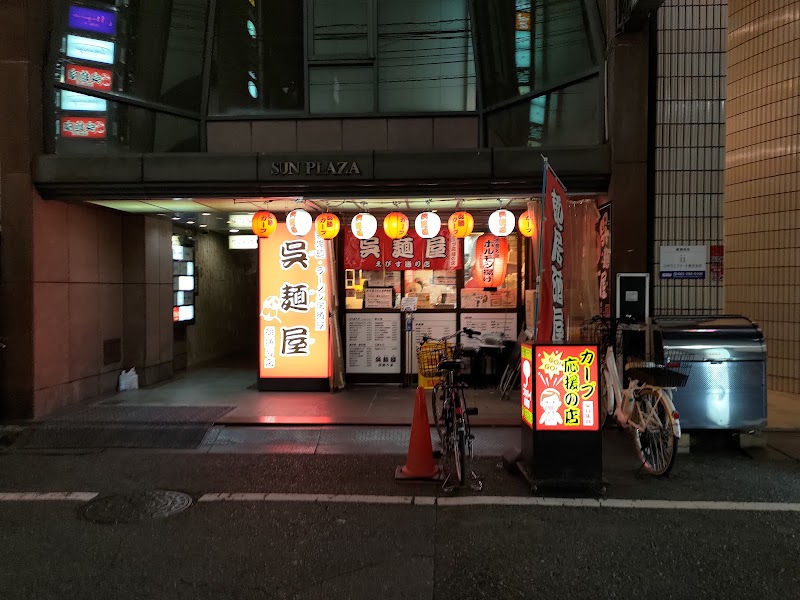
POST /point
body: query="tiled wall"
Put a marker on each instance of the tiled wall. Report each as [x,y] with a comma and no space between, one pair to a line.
[98,276]
[762,184]
[226,305]
[690,146]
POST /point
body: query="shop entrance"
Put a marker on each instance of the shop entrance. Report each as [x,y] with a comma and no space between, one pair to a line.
[217,309]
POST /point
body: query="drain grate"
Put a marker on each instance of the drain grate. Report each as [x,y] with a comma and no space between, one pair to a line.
[132,508]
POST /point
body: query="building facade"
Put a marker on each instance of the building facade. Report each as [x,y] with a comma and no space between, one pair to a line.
[128,112]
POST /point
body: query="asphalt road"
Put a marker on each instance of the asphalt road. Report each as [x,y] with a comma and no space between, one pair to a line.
[291,549]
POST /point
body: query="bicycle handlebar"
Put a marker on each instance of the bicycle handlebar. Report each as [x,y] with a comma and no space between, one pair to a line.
[470,333]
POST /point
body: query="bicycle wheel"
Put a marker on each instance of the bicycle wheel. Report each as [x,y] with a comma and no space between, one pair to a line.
[459,446]
[437,408]
[656,446]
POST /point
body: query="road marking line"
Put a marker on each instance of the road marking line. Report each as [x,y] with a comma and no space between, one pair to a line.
[425,500]
[543,501]
[47,496]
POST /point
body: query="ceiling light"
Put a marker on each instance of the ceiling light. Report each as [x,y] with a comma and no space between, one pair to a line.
[176,218]
[161,215]
[206,214]
[190,222]
[203,225]
[234,231]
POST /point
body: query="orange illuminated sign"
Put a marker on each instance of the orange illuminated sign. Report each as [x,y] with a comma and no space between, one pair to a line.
[293,290]
[566,388]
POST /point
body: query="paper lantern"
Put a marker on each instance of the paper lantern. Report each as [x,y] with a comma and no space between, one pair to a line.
[427,225]
[299,222]
[327,226]
[264,224]
[364,226]
[501,222]
[527,223]
[460,224]
[491,262]
[395,224]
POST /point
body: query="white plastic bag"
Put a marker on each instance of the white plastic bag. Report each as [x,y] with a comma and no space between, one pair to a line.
[128,380]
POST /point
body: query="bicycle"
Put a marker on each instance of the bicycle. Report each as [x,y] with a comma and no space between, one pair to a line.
[438,358]
[645,407]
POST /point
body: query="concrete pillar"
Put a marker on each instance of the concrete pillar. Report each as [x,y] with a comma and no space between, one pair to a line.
[22,27]
[628,89]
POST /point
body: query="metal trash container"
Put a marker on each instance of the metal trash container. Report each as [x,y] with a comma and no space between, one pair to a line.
[727,386]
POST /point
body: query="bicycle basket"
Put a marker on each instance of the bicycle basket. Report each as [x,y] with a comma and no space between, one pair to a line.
[596,331]
[673,372]
[430,354]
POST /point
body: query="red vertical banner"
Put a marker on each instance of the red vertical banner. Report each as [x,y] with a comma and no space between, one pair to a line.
[551,324]
[604,260]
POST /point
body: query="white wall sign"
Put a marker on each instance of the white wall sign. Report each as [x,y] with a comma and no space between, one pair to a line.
[241,221]
[683,262]
[378,297]
[82,102]
[373,343]
[433,325]
[90,49]
[243,242]
[490,325]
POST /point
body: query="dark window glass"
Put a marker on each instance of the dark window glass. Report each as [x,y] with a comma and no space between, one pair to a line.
[425,56]
[569,117]
[259,62]
[161,50]
[341,28]
[526,45]
[118,128]
[342,89]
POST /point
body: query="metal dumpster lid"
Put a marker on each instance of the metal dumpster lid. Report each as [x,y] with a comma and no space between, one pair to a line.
[705,323]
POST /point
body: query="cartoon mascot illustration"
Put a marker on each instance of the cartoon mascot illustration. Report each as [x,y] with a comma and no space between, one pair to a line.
[550,401]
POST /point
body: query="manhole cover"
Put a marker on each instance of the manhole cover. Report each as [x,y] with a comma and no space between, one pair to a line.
[131,508]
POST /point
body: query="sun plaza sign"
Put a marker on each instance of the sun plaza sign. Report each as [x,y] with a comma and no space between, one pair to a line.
[315,167]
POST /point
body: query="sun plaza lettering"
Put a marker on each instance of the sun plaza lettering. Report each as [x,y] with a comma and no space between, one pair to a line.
[320,167]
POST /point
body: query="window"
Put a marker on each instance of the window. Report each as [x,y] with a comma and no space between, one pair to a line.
[342,89]
[425,56]
[525,45]
[421,55]
[258,63]
[568,117]
[433,289]
[341,28]
[501,291]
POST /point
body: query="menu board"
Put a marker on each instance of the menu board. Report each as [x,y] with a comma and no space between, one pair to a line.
[378,297]
[490,325]
[373,343]
[433,325]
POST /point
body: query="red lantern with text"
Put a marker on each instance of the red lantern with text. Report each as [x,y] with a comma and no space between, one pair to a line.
[491,262]
[327,226]
[264,224]
[396,225]
[460,224]
[527,223]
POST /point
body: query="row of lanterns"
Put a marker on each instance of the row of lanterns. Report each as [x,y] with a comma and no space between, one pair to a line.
[395,224]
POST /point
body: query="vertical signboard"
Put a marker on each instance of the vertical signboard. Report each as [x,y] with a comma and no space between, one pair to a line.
[293,291]
[604,260]
[566,388]
[550,319]
[562,445]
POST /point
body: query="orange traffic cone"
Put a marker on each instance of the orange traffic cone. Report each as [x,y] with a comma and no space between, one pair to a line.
[420,464]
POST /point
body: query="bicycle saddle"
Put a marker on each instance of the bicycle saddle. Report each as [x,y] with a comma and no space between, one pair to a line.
[450,365]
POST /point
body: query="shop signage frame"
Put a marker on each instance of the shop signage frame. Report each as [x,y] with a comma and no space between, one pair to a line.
[562,440]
